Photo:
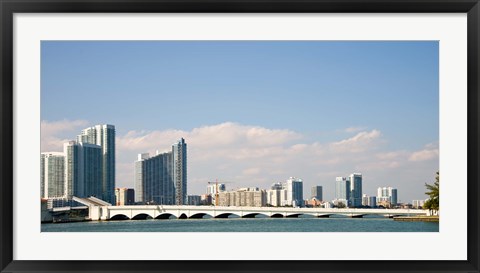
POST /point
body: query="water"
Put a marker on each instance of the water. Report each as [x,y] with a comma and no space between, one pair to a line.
[247,225]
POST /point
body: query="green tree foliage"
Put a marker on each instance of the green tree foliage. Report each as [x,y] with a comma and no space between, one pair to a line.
[433,191]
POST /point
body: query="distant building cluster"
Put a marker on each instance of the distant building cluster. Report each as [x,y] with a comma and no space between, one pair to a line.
[348,190]
[244,197]
[86,167]
[289,193]
[387,197]
[162,178]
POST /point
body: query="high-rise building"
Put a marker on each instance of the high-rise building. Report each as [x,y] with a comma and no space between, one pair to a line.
[317,193]
[154,179]
[52,175]
[348,190]
[162,179]
[179,151]
[342,190]
[104,136]
[83,169]
[294,187]
[124,196]
[355,189]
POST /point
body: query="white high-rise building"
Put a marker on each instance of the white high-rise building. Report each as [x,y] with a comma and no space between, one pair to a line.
[104,136]
[294,187]
[83,170]
[355,189]
[52,175]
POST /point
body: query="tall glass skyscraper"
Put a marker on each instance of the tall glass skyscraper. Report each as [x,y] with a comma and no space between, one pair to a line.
[162,179]
[294,187]
[355,189]
[154,179]
[317,193]
[342,190]
[349,190]
[104,136]
[52,175]
[179,151]
[83,169]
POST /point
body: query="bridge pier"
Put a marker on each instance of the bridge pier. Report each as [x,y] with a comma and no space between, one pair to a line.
[323,216]
[356,216]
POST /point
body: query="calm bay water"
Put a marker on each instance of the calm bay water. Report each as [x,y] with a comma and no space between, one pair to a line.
[247,225]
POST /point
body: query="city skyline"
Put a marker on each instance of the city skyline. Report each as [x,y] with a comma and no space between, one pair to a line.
[313,110]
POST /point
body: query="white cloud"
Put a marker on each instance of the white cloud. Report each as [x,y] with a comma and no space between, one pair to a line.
[430,152]
[54,133]
[358,143]
[354,129]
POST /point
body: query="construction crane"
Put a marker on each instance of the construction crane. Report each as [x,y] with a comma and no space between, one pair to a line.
[216,189]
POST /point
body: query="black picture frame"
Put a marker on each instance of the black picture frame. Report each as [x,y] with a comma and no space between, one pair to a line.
[10,7]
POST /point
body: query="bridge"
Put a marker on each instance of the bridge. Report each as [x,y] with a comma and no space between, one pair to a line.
[139,212]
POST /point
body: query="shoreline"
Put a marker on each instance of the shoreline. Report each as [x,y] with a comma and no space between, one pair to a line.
[417,218]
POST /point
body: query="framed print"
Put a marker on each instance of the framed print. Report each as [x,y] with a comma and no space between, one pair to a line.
[253,136]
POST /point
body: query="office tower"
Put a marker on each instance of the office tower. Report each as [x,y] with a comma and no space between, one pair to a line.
[154,179]
[124,196]
[294,187]
[52,175]
[104,136]
[317,193]
[355,189]
[179,151]
[342,190]
[393,196]
[83,169]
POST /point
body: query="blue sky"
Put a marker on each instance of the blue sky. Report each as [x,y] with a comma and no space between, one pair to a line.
[324,92]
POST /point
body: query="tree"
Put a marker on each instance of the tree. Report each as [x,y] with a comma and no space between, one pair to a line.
[433,191]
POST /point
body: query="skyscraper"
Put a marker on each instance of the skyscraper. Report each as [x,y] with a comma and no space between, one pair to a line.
[83,169]
[294,187]
[348,190]
[355,189]
[317,193]
[342,190]
[52,175]
[179,151]
[154,179]
[104,136]
[162,179]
